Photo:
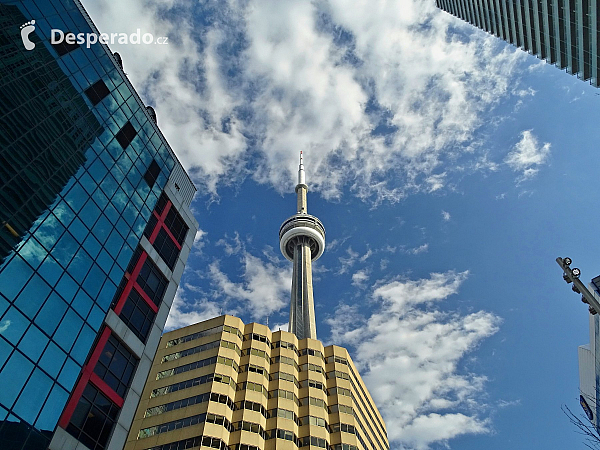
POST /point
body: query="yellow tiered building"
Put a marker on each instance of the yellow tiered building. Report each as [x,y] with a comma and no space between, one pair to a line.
[223,384]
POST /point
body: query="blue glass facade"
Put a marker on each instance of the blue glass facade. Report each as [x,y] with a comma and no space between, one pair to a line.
[78,184]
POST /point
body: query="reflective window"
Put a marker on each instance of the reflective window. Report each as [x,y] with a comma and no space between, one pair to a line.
[176,225]
[68,44]
[166,248]
[116,366]
[152,281]
[152,173]
[137,315]
[126,134]
[97,91]
[93,419]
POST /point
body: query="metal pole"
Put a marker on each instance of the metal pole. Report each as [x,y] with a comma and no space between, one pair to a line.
[572,276]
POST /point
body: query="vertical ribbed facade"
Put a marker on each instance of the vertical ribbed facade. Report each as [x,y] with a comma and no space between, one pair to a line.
[565,33]
[229,385]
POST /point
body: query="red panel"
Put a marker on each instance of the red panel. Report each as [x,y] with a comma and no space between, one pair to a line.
[106,390]
[161,224]
[65,418]
[172,237]
[98,350]
[86,371]
[143,294]
[161,221]
[136,271]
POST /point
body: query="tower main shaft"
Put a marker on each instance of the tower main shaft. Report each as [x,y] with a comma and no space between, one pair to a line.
[302,240]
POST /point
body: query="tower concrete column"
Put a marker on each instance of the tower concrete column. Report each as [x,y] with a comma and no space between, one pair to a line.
[302,240]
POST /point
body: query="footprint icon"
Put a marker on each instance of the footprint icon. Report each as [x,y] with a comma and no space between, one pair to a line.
[26,29]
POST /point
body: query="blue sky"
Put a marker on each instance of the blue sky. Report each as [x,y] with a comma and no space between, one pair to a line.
[448,168]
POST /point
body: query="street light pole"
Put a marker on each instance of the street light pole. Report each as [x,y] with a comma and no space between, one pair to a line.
[572,276]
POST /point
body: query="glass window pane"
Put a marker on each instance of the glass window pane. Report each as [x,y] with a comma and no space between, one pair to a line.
[13,325]
[50,414]
[51,314]
[13,277]
[69,374]
[13,378]
[83,344]
[68,330]
[53,359]
[32,297]
[33,396]
[33,343]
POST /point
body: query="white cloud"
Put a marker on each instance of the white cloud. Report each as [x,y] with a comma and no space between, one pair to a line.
[528,155]
[265,288]
[445,216]
[4,325]
[409,353]
[279,326]
[187,311]
[360,278]
[315,76]
[417,250]
[199,240]
[348,261]
[231,246]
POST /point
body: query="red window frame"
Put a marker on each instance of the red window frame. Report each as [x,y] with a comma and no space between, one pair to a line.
[161,224]
[88,375]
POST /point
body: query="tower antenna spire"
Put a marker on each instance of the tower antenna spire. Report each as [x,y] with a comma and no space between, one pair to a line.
[302,240]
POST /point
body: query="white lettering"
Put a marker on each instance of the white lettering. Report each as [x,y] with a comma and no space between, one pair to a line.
[54,34]
[92,38]
[135,35]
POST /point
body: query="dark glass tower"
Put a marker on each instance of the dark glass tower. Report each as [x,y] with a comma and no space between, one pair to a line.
[565,33]
[95,229]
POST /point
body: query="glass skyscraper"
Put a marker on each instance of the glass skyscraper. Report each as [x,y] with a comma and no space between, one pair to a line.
[565,33]
[95,230]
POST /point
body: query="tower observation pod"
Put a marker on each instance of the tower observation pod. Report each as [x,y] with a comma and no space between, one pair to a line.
[302,240]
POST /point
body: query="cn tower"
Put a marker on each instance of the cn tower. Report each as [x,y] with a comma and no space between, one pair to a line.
[302,241]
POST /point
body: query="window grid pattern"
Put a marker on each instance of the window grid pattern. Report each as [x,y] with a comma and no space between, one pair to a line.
[212,377]
[329,405]
[138,315]
[93,419]
[189,401]
[193,443]
[184,423]
[200,334]
[116,366]
[140,294]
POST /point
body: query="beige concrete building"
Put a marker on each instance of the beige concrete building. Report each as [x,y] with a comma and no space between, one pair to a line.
[224,384]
